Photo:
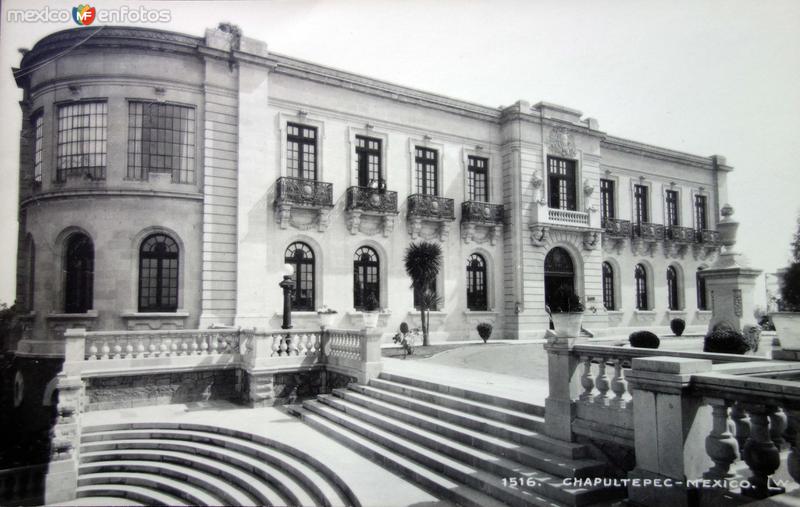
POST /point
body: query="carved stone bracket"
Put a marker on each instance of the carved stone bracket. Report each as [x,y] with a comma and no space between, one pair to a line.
[415,228]
[388,225]
[642,247]
[591,239]
[675,250]
[613,244]
[287,216]
[491,233]
[539,235]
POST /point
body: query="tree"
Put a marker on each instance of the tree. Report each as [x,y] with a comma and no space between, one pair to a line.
[422,262]
[796,243]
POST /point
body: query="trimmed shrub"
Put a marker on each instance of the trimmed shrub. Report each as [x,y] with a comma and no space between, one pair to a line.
[752,336]
[790,290]
[484,331]
[724,340]
[677,326]
[644,340]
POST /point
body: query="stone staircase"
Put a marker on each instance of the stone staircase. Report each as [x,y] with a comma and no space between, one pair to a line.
[463,446]
[192,464]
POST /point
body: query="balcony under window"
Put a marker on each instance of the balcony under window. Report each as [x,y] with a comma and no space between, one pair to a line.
[481,221]
[303,203]
[370,209]
[429,216]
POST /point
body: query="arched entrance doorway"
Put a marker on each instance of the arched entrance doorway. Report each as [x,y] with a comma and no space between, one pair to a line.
[559,271]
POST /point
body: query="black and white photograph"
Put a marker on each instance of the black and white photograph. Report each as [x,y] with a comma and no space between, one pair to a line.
[351,253]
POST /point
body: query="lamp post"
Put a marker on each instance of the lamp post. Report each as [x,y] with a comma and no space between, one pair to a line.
[288,285]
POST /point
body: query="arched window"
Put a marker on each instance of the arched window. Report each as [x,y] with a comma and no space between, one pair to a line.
[79,274]
[640,274]
[158,274]
[559,271]
[366,277]
[672,288]
[702,301]
[476,283]
[608,286]
[301,257]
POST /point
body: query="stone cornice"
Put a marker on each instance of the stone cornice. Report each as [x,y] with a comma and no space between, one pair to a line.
[648,150]
[385,89]
[107,192]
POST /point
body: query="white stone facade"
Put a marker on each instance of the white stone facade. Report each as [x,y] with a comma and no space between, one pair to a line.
[232,228]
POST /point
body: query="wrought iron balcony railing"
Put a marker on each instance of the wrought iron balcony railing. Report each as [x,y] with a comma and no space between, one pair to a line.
[616,228]
[648,231]
[481,212]
[302,192]
[371,200]
[680,234]
[430,207]
[707,237]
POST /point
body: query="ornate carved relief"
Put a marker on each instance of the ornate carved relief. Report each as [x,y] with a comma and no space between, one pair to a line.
[562,142]
[538,235]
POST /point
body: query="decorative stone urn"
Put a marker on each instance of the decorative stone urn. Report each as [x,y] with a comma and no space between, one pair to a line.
[787,327]
[326,319]
[727,227]
[567,324]
[371,319]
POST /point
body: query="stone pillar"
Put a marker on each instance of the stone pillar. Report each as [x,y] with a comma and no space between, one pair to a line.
[564,384]
[61,479]
[371,363]
[730,282]
[670,429]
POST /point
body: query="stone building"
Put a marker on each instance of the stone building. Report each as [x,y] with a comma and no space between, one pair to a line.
[166,179]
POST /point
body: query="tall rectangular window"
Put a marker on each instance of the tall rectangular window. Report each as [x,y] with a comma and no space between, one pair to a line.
[425,161]
[561,183]
[641,213]
[606,200]
[673,212]
[368,154]
[161,139]
[82,131]
[301,151]
[477,168]
[38,131]
[700,213]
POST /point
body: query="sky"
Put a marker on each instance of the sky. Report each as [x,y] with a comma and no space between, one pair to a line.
[705,77]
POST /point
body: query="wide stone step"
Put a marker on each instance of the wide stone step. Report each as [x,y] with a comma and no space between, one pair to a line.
[497,401]
[176,488]
[557,465]
[491,427]
[508,416]
[239,476]
[438,484]
[465,473]
[311,487]
[324,479]
[226,490]
[138,494]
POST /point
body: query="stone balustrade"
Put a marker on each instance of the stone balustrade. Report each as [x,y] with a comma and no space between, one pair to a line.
[568,217]
[105,345]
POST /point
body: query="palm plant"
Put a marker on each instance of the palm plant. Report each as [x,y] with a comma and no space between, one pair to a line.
[423,261]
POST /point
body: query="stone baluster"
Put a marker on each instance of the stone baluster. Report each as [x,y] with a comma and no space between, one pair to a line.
[317,343]
[193,348]
[777,425]
[276,346]
[284,346]
[721,447]
[213,344]
[792,433]
[602,383]
[741,425]
[293,345]
[163,345]
[587,382]
[117,349]
[760,453]
[128,349]
[618,385]
[105,350]
[93,352]
[140,349]
[152,349]
[203,344]
[174,346]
